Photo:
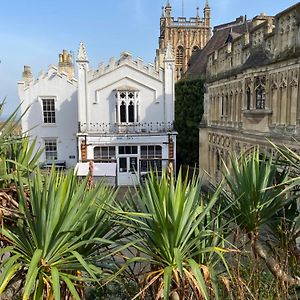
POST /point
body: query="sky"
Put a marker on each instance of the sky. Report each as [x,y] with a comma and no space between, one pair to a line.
[34,32]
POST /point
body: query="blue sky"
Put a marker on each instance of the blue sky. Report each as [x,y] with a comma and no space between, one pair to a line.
[34,32]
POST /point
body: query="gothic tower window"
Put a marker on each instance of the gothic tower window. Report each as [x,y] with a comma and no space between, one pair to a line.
[248,98]
[179,55]
[260,97]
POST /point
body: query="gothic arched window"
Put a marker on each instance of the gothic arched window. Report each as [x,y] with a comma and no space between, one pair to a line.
[123,112]
[179,55]
[127,105]
[248,98]
[131,112]
[260,97]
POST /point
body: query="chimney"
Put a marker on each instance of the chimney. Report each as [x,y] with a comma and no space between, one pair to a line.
[27,75]
[65,63]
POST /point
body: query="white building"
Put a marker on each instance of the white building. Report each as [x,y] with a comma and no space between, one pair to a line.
[120,114]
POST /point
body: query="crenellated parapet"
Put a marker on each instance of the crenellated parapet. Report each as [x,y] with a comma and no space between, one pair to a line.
[126,59]
[29,81]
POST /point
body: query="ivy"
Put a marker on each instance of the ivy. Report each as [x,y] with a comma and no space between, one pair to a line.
[188,114]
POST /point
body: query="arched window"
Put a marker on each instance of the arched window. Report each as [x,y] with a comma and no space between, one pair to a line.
[260,97]
[131,112]
[179,55]
[248,98]
[127,105]
[123,112]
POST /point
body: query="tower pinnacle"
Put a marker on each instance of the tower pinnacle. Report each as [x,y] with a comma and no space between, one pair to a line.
[162,12]
[82,56]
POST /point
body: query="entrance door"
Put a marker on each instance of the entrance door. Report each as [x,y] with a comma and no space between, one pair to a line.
[128,170]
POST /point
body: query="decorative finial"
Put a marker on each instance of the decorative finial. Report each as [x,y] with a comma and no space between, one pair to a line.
[206,4]
[168,4]
[197,14]
[169,52]
[162,11]
[82,56]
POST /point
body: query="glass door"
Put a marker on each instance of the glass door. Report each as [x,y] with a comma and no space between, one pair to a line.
[128,165]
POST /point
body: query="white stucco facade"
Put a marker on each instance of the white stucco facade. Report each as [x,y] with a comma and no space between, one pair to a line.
[121,113]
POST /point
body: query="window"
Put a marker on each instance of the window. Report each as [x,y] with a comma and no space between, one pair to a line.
[128,150]
[127,106]
[123,112]
[224,105]
[51,149]
[151,158]
[179,55]
[260,97]
[104,153]
[248,98]
[123,164]
[49,111]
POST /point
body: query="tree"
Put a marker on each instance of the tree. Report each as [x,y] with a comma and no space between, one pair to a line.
[188,114]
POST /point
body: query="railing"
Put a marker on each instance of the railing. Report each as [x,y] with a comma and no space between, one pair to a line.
[116,128]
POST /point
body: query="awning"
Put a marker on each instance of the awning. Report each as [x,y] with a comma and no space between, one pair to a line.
[100,169]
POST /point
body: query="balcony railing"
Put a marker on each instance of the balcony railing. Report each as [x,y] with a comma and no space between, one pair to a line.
[116,128]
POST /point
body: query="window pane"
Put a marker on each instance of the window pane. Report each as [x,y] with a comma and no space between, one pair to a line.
[144,166]
[48,110]
[144,151]
[134,150]
[104,152]
[128,150]
[123,164]
[158,152]
[51,149]
[150,151]
[97,153]
[133,164]
[112,152]
[131,113]
[123,112]
[121,150]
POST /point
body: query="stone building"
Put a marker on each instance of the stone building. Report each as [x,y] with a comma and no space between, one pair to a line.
[119,115]
[252,88]
[185,36]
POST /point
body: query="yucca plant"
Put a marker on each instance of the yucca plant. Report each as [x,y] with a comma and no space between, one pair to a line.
[179,236]
[17,153]
[63,237]
[257,194]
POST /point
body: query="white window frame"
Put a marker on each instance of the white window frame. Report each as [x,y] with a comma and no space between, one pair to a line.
[127,101]
[54,153]
[54,98]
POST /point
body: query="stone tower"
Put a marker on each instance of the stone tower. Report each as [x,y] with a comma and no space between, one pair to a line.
[184,35]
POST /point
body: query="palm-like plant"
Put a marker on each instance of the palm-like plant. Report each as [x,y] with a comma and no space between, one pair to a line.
[256,190]
[257,194]
[63,237]
[179,236]
[17,154]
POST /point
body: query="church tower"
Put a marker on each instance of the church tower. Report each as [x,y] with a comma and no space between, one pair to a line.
[184,35]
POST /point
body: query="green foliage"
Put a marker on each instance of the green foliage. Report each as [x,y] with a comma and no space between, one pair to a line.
[179,235]
[64,233]
[256,190]
[188,114]
[17,154]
